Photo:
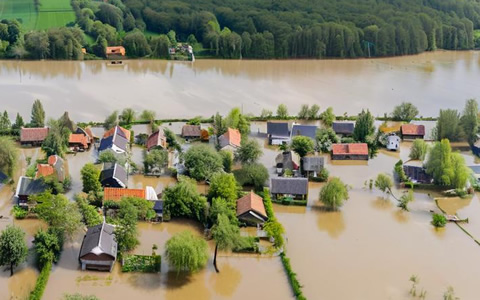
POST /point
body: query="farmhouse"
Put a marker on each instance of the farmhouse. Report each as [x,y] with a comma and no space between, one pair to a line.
[412,131]
[99,248]
[343,128]
[230,140]
[113,175]
[287,160]
[304,130]
[415,172]
[356,151]
[156,140]
[278,133]
[250,209]
[27,187]
[190,132]
[312,165]
[78,142]
[33,136]
[116,140]
[294,187]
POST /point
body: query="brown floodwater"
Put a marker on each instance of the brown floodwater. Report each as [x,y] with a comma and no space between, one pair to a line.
[90,90]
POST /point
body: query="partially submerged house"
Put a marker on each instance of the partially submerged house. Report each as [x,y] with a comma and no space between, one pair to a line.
[99,248]
[44,170]
[58,165]
[78,142]
[113,175]
[250,209]
[116,140]
[158,208]
[33,136]
[287,160]
[278,133]
[294,187]
[412,131]
[476,147]
[27,187]
[415,172]
[393,142]
[475,171]
[304,130]
[3,179]
[312,165]
[157,140]
[343,128]
[230,140]
[116,194]
[115,52]
[354,151]
[191,132]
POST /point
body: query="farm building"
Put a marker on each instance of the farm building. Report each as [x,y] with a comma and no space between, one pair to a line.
[113,175]
[356,151]
[27,187]
[116,140]
[294,187]
[415,172]
[278,133]
[99,248]
[230,140]
[156,140]
[250,209]
[191,132]
[412,131]
[304,130]
[312,165]
[343,128]
[33,136]
[78,142]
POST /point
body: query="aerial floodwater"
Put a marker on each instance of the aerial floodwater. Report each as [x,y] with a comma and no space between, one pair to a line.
[90,90]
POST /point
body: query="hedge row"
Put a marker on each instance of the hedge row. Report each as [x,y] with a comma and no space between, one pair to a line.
[292,278]
[41,283]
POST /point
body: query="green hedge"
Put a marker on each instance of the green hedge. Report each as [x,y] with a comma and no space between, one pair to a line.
[288,201]
[247,244]
[41,283]
[292,278]
[272,227]
[142,263]
[19,212]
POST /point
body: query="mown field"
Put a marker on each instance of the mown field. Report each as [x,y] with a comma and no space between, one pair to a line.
[51,13]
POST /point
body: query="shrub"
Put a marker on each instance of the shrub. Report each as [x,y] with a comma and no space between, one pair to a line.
[321,177]
[110,204]
[247,244]
[439,220]
[19,212]
[142,263]
[41,283]
[292,278]
[398,169]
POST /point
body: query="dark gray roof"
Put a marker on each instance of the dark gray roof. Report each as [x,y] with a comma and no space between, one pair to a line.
[158,206]
[118,140]
[114,170]
[278,129]
[313,163]
[343,127]
[27,186]
[289,185]
[99,239]
[304,130]
[475,169]
[286,159]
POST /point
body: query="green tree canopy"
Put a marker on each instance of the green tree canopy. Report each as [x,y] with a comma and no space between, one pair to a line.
[56,142]
[419,150]
[91,178]
[364,127]
[184,252]
[127,116]
[469,120]
[155,159]
[227,160]
[328,117]
[48,247]
[325,138]
[202,161]
[252,175]
[8,155]
[38,114]
[448,125]
[225,235]
[406,111]
[334,193]
[224,185]
[5,122]
[13,247]
[111,121]
[237,120]
[249,151]
[184,200]
[302,145]
[19,123]
[282,111]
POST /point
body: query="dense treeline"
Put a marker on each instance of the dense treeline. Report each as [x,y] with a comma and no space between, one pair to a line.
[255,29]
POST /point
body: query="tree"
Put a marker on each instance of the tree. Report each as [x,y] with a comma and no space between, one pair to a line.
[184,200]
[225,235]
[19,123]
[56,142]
[110,157]
[469,120]
[202,162]
[127,116]
[328,117]
[405,199]
[448,125]
[302,145]
[266,114]
[221,207]
[439,220]
[364,127]
[227,160]
[334,193]
[13,247]
[5,123]
[186,252]
[8,155]
[419,150]
[406,111]
[48,247]
[249,151]
[303,113]
[219,125]
[111,121]
[282,111]
[126,233]
[58,212]
[91,178]
[237,120]
[252,175]
[149,116]
[66,123]
[326,137]
[38,114]
[224,185]
[91,217]
[155,159]
[384,183]
[313,112]
[136,44]
[100,47]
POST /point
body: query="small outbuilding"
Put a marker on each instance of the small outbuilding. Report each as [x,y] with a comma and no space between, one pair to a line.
[278,133]
[415,172]
[27,187]
[343,128]
[312,165]
[287,160]
[250,209]
[157,140]
[78,142]
[113,175]
[412,131]
[191,132]
[355,151]
[393,142]
[230,140]
[294,187]
[99,248]
[33,136]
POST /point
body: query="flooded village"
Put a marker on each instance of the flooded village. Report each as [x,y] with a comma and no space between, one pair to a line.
[260,157]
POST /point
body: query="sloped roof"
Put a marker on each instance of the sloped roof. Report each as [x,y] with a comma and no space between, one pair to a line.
[115,50]
[278,129]
[289,185]
[33,134]
[289,160]
[412,129]
[313,163]
[251,201]
[156,139]
[475,169]
[118,130]
[3,178]
[231,137]
[98,240]
[78,138]
[343,127]
[115,171]
[191,131]
[355,149]
[44,170]
[116,194]
[27,186]
[304,130]
[54,159]
[118,140]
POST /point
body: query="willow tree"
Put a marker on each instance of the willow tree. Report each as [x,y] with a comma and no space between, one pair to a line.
[38,114]
[8,155]
[184,252]
[225,235]
[334,193]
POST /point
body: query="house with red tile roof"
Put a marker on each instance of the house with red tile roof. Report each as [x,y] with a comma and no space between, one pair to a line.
[250,209]
[117,130]
[78,142]
[230,140]
[116,194]
[156,140]
[33,136]
[55,166]
[412,131]
[355,151]
[44,170]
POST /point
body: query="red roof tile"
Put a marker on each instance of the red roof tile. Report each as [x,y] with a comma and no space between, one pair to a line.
[44,170]
[156,139]
[357,149]
[412,129]
[110,132]
[233,137]
[251,201]
[52,159]
[116,194]
[33,134]
[78,138]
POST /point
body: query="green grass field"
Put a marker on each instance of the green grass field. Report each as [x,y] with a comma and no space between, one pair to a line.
[51,13]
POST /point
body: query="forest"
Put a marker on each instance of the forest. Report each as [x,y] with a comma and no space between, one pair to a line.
[266,29]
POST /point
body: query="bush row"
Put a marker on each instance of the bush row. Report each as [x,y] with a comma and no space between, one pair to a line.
[292,278]
[41,283]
